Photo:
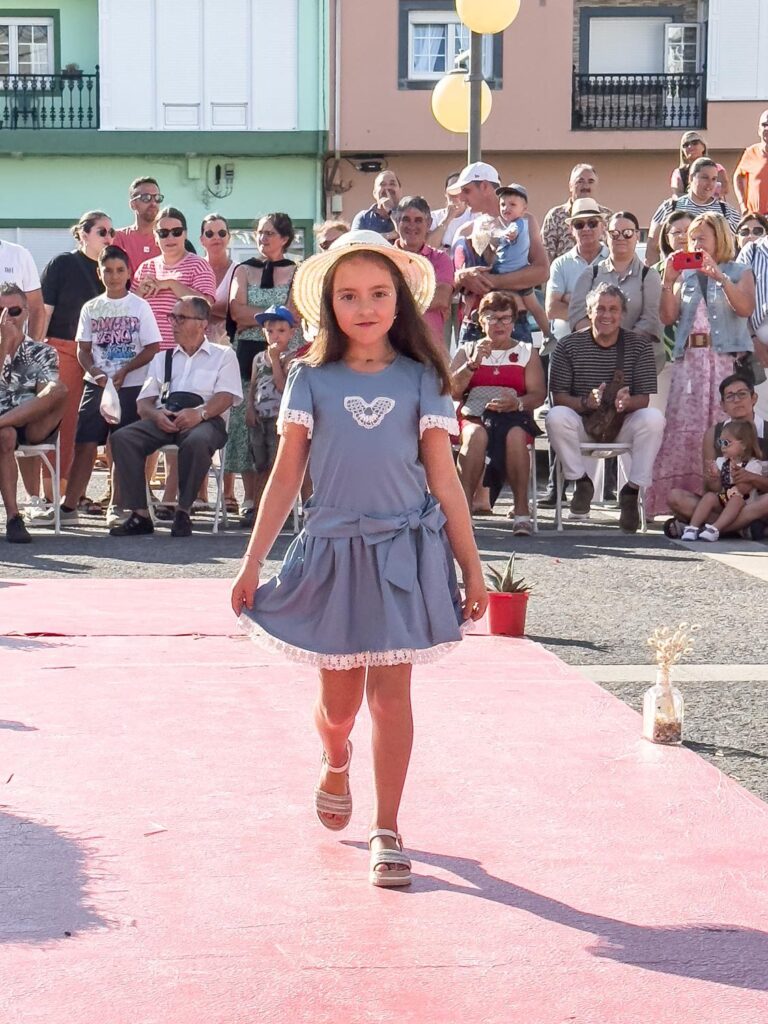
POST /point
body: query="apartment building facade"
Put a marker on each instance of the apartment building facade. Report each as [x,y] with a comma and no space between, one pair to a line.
[223,101]
[611,82]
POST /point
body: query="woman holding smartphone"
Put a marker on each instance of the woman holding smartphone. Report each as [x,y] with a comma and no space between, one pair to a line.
[710,297]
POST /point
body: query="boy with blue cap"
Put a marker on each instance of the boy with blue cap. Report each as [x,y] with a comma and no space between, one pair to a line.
[268,376]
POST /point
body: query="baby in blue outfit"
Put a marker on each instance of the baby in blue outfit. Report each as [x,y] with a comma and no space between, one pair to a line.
[508,244]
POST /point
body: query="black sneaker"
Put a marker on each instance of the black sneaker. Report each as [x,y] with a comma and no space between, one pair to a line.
[629,516]
[248,518]
[16,532]
[758,529]
[182,524]
[550,499]
[583,493]
[134,526]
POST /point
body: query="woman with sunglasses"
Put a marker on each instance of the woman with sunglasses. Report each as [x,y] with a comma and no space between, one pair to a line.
[163,280]
[215,239]
[641,285]
[68,282]
[753,227]
[692,146]
[257,284]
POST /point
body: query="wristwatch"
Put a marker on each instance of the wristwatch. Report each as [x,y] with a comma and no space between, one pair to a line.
[203,413]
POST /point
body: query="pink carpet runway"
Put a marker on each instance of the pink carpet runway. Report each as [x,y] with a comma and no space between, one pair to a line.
[160,861]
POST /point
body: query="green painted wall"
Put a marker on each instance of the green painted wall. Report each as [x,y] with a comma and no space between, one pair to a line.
[314,65]
[59,189]
[78,26]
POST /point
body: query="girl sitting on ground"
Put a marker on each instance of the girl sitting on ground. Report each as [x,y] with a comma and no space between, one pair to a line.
[741,449]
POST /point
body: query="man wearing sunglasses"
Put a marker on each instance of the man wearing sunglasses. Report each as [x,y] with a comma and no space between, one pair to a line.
[738,399]
[31,398]
[184,401]
[138,240]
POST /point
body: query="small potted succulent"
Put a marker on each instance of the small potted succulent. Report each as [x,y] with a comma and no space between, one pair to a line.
[507,600]
[663,705]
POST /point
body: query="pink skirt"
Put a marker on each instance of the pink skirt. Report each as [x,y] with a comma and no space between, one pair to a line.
[692,407]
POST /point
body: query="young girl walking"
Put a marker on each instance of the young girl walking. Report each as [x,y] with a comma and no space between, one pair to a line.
[741,450]
[368,588]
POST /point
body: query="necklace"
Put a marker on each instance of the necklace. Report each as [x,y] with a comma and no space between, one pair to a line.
[496,363]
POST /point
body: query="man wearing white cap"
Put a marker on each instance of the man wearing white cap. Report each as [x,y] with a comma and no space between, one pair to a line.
[477,186]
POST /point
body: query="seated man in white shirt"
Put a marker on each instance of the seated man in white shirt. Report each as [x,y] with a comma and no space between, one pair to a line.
[183,401]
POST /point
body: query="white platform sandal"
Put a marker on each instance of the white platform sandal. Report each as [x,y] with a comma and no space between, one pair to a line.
[388,879]
[329,803]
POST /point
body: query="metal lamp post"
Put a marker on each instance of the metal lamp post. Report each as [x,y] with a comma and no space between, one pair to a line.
[465,108]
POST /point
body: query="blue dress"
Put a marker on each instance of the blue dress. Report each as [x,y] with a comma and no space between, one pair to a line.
[370,580]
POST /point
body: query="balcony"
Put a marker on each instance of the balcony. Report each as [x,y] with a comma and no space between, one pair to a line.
[638,102]
[67,100]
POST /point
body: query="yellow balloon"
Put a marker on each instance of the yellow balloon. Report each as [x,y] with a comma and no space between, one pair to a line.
[487,16]
[450,102]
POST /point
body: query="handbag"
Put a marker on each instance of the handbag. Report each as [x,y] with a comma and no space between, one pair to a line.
[477,398]
[175,401]
[604,423]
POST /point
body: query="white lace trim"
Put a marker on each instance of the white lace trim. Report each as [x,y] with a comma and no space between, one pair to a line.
[449,423]
[304,419]
[343,662]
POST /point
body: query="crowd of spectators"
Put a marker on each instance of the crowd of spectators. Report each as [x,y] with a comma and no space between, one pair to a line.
[134,343]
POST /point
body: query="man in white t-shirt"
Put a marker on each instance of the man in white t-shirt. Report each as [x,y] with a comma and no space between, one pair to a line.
[17,266]
[117,337]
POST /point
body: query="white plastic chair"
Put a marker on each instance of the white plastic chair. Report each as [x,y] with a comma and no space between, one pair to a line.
[44,451]
[596,450]
[215,472]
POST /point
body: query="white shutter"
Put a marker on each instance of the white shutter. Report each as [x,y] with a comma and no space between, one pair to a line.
[626,46]
[275,65]
[735,50]
[127,64]
[227,41]
[179,60]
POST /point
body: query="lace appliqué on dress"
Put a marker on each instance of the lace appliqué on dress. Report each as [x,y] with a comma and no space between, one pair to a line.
[368,414]
[304,419]
[449,423]
[344,662]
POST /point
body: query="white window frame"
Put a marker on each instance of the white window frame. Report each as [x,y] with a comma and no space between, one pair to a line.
[451,20]
[14,24]
[684,25]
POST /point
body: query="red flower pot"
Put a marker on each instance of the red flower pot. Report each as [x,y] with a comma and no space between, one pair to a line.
[506,614]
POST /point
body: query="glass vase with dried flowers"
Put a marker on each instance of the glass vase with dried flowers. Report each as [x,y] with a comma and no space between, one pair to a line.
[663,705]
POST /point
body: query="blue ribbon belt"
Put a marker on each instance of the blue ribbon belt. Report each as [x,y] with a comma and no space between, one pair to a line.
[399,531]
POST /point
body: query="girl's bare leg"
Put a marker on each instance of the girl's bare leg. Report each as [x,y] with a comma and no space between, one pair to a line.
[339,700]
[706,506]
[389,700]
[731,512]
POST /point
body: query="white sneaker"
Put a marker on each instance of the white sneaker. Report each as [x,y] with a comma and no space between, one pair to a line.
[38,510]
[116,516]
[690,533]
[710,533]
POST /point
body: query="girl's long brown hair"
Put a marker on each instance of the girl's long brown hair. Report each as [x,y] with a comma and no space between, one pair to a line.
[408,333]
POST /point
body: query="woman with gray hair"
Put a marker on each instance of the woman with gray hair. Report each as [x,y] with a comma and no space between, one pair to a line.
[412,218]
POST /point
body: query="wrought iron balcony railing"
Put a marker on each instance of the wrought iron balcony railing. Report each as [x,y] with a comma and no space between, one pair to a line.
[65,100]
[638,102]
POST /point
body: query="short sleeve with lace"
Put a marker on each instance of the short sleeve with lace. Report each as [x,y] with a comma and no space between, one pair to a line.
[435,409]
[296,405]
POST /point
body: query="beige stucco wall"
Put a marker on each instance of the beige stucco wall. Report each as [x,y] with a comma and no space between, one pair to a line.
[633,181]
[532,113]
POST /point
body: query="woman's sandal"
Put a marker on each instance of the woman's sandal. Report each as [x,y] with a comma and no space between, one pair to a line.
[329,803]
[388,879]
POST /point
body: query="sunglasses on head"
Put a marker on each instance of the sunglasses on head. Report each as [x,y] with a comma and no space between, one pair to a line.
[579,225]
[222,233]
[758,229]
[148,197]
[14,310]
[105,232]
[622,233]
[165,232]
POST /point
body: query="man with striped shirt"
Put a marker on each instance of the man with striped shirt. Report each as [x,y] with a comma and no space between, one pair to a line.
[582,366]
[700,198]
[755,256]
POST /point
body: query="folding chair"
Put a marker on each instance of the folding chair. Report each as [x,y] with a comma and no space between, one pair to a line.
[215,472]
[596,450]
[44,451]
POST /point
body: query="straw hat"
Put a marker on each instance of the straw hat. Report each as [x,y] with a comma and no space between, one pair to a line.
[307,288]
